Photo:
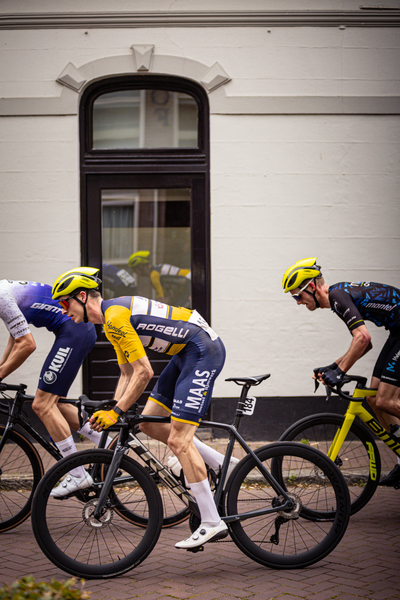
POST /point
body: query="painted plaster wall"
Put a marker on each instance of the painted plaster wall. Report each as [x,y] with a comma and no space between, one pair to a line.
[282,186]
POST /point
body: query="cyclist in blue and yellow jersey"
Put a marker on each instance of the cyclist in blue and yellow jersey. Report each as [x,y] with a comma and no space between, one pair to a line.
[183,389]
[171,284]
[356,303]
[25,303]
[117,281]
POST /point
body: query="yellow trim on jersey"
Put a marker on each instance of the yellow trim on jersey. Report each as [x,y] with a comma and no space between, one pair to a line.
[359,321]
[122,335]
[160,404]
[184,421]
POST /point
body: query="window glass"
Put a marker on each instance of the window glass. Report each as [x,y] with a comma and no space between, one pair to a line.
[155,223]
[144,119]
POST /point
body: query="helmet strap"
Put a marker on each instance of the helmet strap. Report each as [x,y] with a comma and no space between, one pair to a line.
[85,317]
[313,294]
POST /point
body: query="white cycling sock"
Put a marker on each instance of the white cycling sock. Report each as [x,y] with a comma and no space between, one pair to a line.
[204,498]
[67,447]
[211,457]
[93,435]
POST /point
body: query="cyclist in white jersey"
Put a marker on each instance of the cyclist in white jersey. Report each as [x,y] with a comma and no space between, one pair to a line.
[28,302]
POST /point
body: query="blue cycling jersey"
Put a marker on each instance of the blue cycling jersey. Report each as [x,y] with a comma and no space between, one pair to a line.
[356,302]
[23,302]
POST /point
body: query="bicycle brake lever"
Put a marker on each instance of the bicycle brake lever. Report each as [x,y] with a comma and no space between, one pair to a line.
[316,384]
[328,391]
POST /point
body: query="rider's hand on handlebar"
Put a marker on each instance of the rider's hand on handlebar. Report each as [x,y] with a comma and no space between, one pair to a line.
[103,419]
[319,370]
[333,377]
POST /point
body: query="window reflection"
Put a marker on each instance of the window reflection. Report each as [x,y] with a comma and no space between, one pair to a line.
[146,233]
[154,118]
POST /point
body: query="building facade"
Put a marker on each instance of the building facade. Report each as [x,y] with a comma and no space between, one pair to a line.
[230,138]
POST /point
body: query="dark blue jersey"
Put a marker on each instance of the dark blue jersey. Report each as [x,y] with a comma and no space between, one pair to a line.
[355,303]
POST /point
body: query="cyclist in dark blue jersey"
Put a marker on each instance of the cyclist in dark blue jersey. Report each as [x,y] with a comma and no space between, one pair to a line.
[25,303]
[356,303]
[117,282]
[183,389]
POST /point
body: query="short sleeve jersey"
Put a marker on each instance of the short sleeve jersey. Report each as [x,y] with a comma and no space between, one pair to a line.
[24,302]
[355,303]
[133,323]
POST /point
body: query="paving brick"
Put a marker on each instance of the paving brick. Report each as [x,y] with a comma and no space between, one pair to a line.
[364,565]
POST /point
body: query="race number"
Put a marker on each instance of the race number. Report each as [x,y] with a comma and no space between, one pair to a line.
[249,404]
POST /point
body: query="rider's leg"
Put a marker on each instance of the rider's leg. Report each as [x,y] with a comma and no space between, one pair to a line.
[384,418]
[45,407]
[387,420]
[179,438]
[388,400]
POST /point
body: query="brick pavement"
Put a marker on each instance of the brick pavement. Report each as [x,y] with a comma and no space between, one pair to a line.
[366,564]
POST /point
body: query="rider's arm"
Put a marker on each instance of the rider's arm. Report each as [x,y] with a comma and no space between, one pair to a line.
[342,304]
[16,353]
[360,345]
[133,382]
[156,283]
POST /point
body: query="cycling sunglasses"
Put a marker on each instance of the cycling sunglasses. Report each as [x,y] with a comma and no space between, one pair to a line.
[297,296]
[65,303]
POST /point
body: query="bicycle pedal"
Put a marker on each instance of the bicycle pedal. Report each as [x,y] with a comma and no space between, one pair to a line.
[194,550]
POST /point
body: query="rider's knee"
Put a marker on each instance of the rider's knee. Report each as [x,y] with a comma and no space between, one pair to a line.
[145,428]
[382,402]
[177,444]
[42,404]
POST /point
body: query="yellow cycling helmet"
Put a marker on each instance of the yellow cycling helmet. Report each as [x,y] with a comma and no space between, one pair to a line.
[82,278]
[299,272]
[139,258]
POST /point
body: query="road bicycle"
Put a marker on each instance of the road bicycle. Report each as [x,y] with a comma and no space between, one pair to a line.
[21,466]
[348,441]
[286,504]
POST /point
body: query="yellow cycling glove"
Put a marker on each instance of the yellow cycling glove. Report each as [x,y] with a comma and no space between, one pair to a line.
[106,418]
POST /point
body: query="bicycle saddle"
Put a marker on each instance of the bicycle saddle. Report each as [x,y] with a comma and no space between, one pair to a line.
[255,380]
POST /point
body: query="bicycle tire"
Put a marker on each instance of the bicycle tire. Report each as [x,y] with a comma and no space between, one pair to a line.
[82,546]
[353,460]
[21,469]
[305,536]
[175,511]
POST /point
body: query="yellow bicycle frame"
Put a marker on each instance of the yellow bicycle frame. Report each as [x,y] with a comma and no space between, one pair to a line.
[356,409]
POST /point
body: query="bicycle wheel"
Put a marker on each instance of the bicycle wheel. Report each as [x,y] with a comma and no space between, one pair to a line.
[175,511]
[74,541]
[21,469]
[293,538]
[358,460]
